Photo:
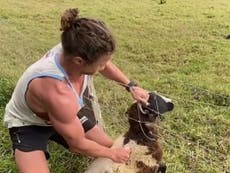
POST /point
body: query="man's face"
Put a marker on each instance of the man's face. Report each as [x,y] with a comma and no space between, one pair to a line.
[97,66]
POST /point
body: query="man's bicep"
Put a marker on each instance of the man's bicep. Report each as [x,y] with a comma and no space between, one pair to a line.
[63,116]
[62,111]
[72,131]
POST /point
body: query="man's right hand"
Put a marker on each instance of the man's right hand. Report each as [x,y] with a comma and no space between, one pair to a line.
[120,155]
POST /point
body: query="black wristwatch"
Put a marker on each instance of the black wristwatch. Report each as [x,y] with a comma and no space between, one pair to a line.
[130,85]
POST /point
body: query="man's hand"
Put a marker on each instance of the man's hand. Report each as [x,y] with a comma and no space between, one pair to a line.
[140,94]
[120,155]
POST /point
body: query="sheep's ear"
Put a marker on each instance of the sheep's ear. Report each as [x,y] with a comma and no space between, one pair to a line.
[160,103]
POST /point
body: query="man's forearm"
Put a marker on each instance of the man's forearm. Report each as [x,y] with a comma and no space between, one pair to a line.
[112,72]
[92,148]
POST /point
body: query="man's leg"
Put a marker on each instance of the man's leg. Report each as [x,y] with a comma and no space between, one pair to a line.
[31,162]
[98,135]
[29,145]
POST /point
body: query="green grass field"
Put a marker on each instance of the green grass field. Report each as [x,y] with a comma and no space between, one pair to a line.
[178,48]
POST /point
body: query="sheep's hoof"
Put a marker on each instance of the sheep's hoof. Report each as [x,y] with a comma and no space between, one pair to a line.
[162,168]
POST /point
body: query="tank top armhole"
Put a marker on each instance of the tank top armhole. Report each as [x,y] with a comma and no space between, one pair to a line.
[58,77]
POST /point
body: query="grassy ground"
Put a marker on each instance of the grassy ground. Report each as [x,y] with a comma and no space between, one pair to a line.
[177,48]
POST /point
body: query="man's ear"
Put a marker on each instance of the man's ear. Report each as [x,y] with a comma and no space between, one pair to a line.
[78,60]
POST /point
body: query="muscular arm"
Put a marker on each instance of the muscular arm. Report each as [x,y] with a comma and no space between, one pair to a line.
[59,102]
[62,110]
[112,72]
[62,114]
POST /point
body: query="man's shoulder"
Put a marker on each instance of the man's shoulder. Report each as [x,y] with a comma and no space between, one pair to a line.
[50,88]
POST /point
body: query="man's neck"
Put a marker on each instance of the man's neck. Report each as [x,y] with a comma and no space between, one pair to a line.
[73,72]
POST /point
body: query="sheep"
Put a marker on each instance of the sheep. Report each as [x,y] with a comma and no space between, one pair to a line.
[142,137]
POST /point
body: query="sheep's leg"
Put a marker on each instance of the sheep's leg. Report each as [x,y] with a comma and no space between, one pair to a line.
[162,168]
[156,168]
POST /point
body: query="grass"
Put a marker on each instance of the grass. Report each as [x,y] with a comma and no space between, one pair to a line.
[177,48]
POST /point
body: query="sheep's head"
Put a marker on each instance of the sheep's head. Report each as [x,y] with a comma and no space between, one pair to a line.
[147,114]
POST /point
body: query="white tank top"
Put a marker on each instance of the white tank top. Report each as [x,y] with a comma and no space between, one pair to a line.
[17,112]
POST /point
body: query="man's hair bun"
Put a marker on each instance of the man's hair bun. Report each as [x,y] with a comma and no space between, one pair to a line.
[68,18]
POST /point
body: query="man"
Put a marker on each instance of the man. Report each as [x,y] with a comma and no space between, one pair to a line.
[49,97]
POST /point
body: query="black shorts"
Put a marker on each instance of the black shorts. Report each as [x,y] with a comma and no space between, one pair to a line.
[32,137]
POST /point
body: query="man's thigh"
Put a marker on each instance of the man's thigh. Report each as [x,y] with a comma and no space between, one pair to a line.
[31,138]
